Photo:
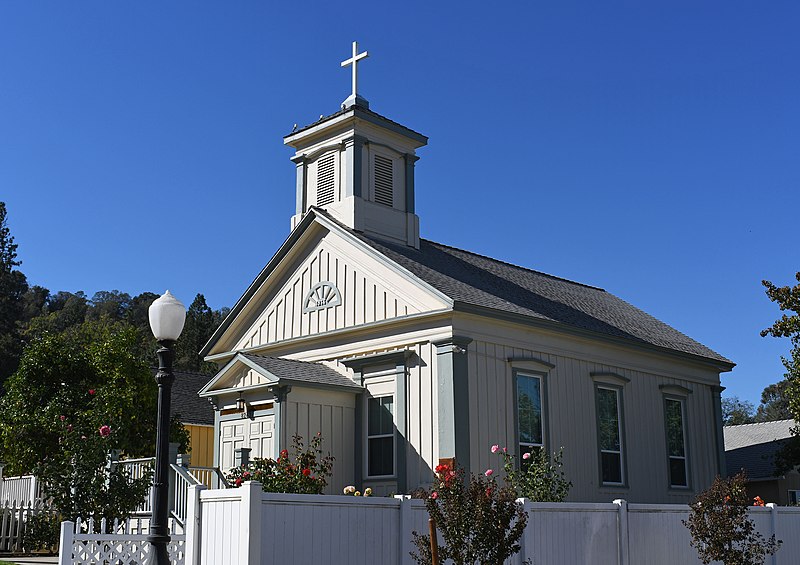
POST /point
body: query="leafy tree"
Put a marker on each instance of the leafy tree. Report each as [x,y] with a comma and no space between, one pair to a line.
[91,375]
[13,286]
[736,411]
[788,300]
[111,304]
[774,403]
[201,322]
[63,310]
[721,529]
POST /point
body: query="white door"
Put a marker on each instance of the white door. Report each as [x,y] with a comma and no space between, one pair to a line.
[257,434]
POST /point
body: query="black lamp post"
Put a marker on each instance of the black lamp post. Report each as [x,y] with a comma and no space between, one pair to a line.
[167,316]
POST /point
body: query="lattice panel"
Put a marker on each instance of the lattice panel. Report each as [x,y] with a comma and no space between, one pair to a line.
[124,552]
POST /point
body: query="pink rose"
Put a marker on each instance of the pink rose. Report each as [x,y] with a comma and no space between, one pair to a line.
[91,392]
[526,456]
[505,450]
[488,472]
[495,448]
[104,431]
[434,495]
[62,417]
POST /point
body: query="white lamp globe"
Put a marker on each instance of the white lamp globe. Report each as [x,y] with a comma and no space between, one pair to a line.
[167,316]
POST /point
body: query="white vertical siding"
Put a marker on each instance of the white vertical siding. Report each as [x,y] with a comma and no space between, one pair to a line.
[570,421]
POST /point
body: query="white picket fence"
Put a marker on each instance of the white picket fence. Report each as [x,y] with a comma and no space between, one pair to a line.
[121,543]
[246,526]
[14,518]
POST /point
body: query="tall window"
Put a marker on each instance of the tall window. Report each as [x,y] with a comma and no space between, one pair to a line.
[609,423]
[380,436]
[529,412]
[676,443]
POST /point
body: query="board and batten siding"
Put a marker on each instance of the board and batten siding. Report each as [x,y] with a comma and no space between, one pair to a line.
[201,441]
[570,421]
[307,412]
[370,292]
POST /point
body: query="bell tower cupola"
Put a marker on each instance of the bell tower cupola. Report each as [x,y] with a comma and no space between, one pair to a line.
[359,167]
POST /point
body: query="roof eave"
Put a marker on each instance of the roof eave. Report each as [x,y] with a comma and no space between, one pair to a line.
[718,364]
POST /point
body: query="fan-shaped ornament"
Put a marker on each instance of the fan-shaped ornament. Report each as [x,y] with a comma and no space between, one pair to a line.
[322,295]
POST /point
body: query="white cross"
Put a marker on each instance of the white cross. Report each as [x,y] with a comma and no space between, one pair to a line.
[354,61]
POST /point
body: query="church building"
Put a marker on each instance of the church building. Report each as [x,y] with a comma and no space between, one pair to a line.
[404,352]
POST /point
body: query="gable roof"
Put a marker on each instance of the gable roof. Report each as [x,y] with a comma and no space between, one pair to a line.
[474,280]
[301,371]
[185,400]
[489,286]
[280,371]
[752,447]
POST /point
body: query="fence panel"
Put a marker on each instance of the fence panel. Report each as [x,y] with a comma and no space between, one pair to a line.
[786,522]
[572,533]
[221,525]
[14,520]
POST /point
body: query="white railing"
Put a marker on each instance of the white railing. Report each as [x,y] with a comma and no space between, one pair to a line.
[14,519]
[121,543]
[20,490]
[182,479]
[138,468]
[212,477]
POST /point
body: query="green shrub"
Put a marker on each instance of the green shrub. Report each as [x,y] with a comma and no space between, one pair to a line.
[306,473]
[722,531]
[537,477]
[479,521]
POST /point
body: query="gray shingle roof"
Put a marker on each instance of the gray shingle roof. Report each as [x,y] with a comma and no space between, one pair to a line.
[301,371]
[476,280]
[185,401]
[752,447]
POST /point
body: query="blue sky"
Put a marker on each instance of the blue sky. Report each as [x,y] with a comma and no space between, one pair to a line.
[649,148]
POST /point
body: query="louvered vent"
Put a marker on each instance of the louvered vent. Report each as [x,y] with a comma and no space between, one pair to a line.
[326,181]
[383,181]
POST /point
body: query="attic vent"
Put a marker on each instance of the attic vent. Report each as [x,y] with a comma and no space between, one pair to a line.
[383,181]
[326,182]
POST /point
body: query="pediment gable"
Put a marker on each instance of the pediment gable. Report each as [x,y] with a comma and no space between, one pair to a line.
[326,280]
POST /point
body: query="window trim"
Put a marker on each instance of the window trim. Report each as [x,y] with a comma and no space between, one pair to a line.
[541,375]
[392,435]
[623,443]
[681,400]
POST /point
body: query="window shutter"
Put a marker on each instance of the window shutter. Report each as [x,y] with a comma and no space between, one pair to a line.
[383,181]
[326,180]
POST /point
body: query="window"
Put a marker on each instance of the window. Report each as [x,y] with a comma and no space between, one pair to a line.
[676,443]
[529,413]
[794,498]
[380,436]
[609,431]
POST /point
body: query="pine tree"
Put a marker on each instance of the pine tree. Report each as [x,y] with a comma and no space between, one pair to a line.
[13,286]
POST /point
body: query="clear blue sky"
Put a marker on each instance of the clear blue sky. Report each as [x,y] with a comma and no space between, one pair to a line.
[649,148]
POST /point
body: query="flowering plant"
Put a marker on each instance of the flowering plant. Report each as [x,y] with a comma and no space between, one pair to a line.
[721,529]
[538,478]
[479,520]
[350,490]
[306,473]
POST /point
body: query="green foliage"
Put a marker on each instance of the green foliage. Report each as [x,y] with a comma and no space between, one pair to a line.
[736,412]
[774,403]
[80,479]
[722,531]
[479,521]
[788,300]
[13,286]
[307,472]
[91,374]
[201,321]
[42,531]
[538,477]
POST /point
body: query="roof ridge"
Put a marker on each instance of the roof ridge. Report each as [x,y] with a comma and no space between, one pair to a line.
[782,421]
[514,265]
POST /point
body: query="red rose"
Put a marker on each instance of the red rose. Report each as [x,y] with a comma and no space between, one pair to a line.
[238,482]
[306,472]
[91,392]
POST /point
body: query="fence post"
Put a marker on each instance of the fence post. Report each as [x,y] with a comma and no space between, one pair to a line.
[250,534]
[521,556]
[773,522]
[34,485]
[65,543]
[404,536]
[192,525]
[624,548]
